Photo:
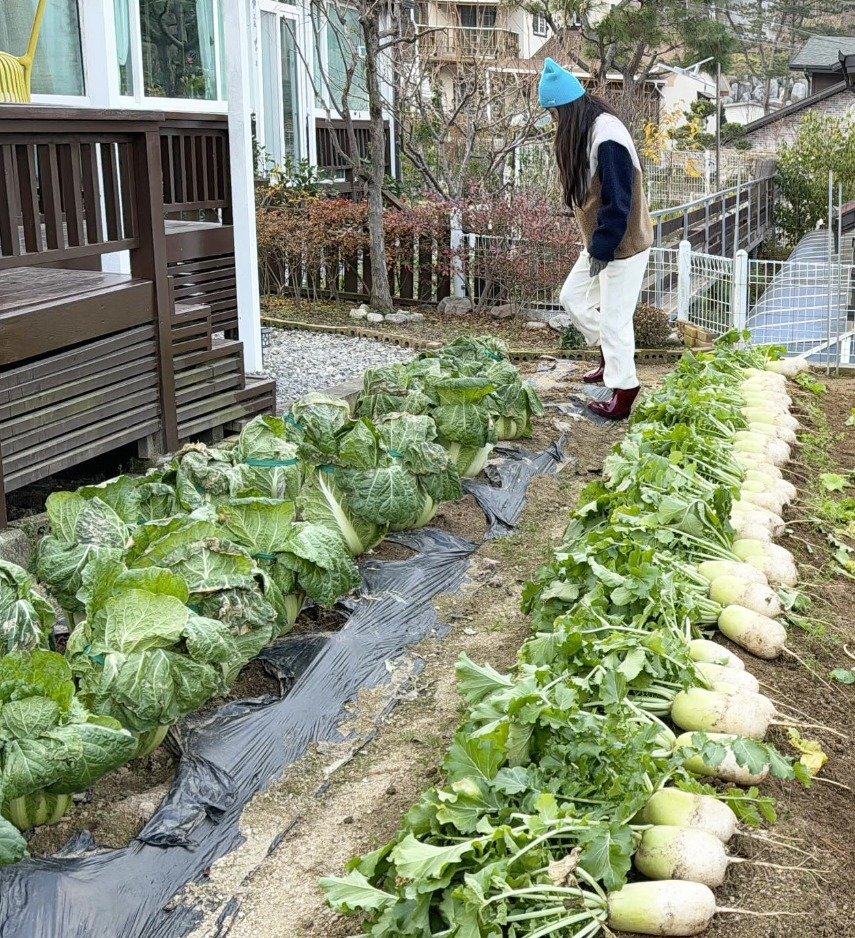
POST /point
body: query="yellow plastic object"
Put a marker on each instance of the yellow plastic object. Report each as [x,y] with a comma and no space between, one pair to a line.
[16,70]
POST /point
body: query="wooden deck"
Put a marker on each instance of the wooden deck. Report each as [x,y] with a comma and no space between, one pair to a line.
[90,361]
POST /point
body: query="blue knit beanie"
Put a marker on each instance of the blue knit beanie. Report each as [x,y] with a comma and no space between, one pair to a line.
[558,86]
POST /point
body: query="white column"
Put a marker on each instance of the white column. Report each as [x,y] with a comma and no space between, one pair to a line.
[739,304]
[237,34]
[684,281]
[99,50]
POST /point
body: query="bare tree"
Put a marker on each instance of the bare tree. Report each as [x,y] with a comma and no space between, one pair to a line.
[358,31]
[465,106]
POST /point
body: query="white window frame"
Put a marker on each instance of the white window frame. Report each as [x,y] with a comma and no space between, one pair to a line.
[86,49]
[305,96]
[541,31]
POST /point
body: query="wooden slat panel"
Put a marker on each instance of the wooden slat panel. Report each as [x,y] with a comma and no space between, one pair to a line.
[104,377]
[51,199]
[112,204]
[10,243]
[186,277]
[208,388]
[126,183]
[72,364]
[28,429]
[91,194]
[84,443]
[29,195]
[71,185]
[205,373]
[221,348]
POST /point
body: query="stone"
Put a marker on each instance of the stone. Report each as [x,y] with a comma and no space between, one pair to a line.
[535,325]
[357,314]
[145,810]
[416,317]
[455,306]
[560,322]
[364,307]
[503,311]
[397,318]
[532,314]
[374,317]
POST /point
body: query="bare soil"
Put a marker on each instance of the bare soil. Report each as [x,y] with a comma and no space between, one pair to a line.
[436,327]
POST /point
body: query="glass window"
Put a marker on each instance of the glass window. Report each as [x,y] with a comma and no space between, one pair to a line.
[343,49]
[477,17]
[290,93]
[58,65]
[180,52]
[124,62]
[539,25]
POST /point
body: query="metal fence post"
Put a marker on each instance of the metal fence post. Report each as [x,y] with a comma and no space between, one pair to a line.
[739,286]
[684,281]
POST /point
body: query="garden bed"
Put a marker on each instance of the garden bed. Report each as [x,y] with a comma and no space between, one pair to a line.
[331,816]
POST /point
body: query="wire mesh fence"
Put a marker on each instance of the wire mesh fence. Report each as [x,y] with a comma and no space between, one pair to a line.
[679,176]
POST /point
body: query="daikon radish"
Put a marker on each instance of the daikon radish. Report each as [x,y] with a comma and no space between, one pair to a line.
[775,561]
[755,493]
[684,809]
[772,483]
[710,711]
[669,852]
[702,649]
[776,431]
[760,463]
[770,414]
[762,636]
[712,569]
[728,770]
[669,907]
[733,591]
[718,674]
[776,451]
[788,367]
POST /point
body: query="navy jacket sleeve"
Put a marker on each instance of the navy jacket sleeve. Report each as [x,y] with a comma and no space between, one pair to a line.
[617,175]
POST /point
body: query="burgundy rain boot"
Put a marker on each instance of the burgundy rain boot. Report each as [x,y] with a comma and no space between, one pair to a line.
[596,376]
[618,408]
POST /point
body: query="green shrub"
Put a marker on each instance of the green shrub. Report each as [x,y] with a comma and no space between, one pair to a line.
[822,144]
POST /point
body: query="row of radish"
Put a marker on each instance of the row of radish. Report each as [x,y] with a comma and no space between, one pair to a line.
[569,771]
[687,837]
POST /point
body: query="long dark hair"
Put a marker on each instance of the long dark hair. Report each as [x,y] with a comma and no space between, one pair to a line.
[572,140]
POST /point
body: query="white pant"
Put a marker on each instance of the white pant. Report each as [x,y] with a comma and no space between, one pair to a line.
[602,309]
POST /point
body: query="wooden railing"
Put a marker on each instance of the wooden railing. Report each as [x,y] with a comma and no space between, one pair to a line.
[78,184]
[455,43]
[66,196]
[195,165]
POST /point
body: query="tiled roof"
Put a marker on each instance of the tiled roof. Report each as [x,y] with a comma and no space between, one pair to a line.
[821,53]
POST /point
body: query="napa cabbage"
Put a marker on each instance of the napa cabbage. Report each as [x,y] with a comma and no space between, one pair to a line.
[51,745]
[26,617]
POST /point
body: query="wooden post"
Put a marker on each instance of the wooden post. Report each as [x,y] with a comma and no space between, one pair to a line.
[3,517]
[148,261]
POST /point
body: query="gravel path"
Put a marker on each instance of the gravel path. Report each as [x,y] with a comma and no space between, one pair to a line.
[314,361]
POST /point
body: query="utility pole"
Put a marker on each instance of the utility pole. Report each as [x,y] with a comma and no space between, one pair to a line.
[718,127]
